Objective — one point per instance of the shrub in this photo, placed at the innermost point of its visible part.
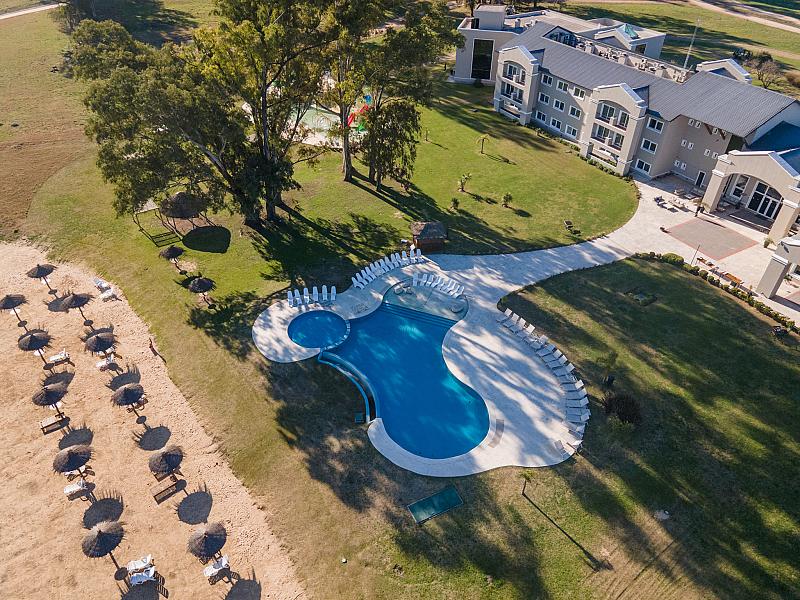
(673, 259)
(454, 204)
(623, 405)
(793, 77)
(477, 83)
(767, 242)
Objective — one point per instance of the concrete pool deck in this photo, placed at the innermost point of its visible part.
(525, 402)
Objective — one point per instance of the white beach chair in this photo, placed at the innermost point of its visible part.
(306, 297)
(431, 280)
(564, 370)
(404, 258)
(537, 343)
(378, 269)
(369, 273)
(108, 294)
(144, 576)
(62, 356)
(140, 564)
(101, 284)
(423, 280)
(315, 294)
(562, 449)
(573, 387)
(578, 415)
(414, 280)
(583, 402)
(557, 363)
(357, 284)
(546, 350)
(577, 395)
(526, 331)
(458, 291)
(397, 260)
(76, 489)
(333, 294)
(505, 316)
(576, 429)
(216, 567)
(418, 255)
(518, 326)
(512, 321)
(325, 293)
(385, 265)
(297, 301)
(104, 364)
(290, 299)
(434, 281)
(361, 279)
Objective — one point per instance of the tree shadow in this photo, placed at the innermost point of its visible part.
(195, 507)
(245, 589)
(148, 20)
(212, 238)
(230, 322)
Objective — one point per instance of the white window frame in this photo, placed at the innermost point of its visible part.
(715, 131)
(570, 131)
(683, 166)
(556, 102)
(575, 112)
(652, 146)
(623, 116)
(683, 143)
(540, 116)
(714, 154)
(562, 86)
(547, 79)
(706, 152)
(697, 124)
(658, 127)
(690, 145)
(579, 93)
(642, 162)
(544, 98)
(553, 122)
(677, 163)
(691, 122)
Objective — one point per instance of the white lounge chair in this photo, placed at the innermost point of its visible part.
(414, 280)
(76, 489)
(404, 258)
(418, 255)
(505, 316)
(385, 265)
(423, 280)
(554, 356)
(356, 283)
(573, 387)
(578, 403)
(564, 370)
(216, 567)
(101, 284)
(144, 576)
(106, 362)
(578, 414)
(333, 294)
(141, 564)
(576, 395)
(458, 291)
(546, 350)
(397, 260)
(451, 285)
(537, 342)
(325, 293)
(361, 279)
(562, 449)
(576, 428)
(297, 301)
(315, 294)
(518, 326)
(306, 297)
(512, 321)
(377, 268)
(290, 299)
(108, 295)
(431, 280)
(558, 363)
(62, 356)
(526, 331)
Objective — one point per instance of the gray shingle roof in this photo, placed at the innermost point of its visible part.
(716, 100)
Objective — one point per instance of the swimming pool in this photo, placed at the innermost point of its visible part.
(424, 408)
(318, 329)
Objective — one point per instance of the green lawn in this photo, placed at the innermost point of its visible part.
(789, 8)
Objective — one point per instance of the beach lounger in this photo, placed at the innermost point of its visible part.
(315, 294)
(414, 280)
(537, 342)
(562, 449)
(431, 280)
(105, 363)
(62, 356)
(526, 331)
(141, 564)
(423, 279)
(546, 350)
(386, 264)
(306, 297)
(333, 294)
(290, 299)
(108, 295)
(297, 301)
(573, 387)
(576, 395)
(578, 415)
(558, 363)
(397, 260)
(73, 490)
(369, 276)
(216, 567)
(356, 283)
(505, 316)
(79, 472)
(325, 293)
(458, 291)
(51, 424)
(404, 258)
(583, 402)
(451, 287)
(554, 357)
(377, 269)
(564, 370)
(512, 321)
(576, 429)
(518, 326)
(574, 441)
(143, 576)
(165, 489)
(418, 255)
(101, 284)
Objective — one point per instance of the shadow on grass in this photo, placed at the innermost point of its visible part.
(148, 20)
(212, 238)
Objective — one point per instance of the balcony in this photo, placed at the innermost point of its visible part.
(516, 78)
(611, 142)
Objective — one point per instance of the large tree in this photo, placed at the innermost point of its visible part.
(399, 123)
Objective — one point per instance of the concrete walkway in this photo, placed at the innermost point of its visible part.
(28, 11)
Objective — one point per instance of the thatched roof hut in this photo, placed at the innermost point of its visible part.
(429, 235)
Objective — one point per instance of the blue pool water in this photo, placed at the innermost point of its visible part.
(318, 329)
(424, 408)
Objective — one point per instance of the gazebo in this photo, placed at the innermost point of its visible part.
(429, 235)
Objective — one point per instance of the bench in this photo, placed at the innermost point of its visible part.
(162, 476)
(54, 423)
(733, 279)
(162, 491)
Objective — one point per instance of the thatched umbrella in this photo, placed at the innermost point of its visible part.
(50, 395)
(40, 271)
(72, 458)
(129, 395)
(201, 285)
(171, 252)
(166, 461)
(207, 540)
(102, 539)
(74, 301)
(183, 205)
(100, 342)
(11, 302)
(35, 339)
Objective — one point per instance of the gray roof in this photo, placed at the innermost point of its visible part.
(719, 101)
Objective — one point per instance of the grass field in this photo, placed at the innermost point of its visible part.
(7, 6)
(789, 8)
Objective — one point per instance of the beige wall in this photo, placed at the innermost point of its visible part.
(463, 70)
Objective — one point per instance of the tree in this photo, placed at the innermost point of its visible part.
(462, 182)
(399, 121)
(507, 198)
(482, 140)
(72, 12)
(766, 69)
(560, 4)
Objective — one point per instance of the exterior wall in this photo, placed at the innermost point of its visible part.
(622, 98)
(520, 110)
(790, 114)
(703, 138)
(786, 256)
(463, 70)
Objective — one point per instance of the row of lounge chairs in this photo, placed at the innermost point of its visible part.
(381, 266)
(448, 286)
(577, 412)
(296, 300)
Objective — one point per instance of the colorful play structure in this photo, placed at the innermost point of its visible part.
(357, 116)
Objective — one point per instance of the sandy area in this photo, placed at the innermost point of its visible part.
(41, 530)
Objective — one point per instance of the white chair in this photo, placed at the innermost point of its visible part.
(144, 576)
(108, 295)
(404, 258)
(431, 280)
(537, 343)
(62, 356)
(140, 564)
(315, 294)
(377, 268)
(384, 264)
(576, 428)
(104, 364)
(369, 274)
(306, 297)
(418, 255)
(583, 402)
(324, 293)
(361, 279)
(512, 321)
(578, 415)
(505, 316)
(216, 567)
(576, 395)
(333, 294)
(552, 359)
(297, 301)
(356, 284)
(564, 370)
(518, 326)
(526, 331)
(560, 447)
(573, 387)
(290, 299)
(545, 350)
(76, 489)
(414, 280)
(458, 291)
(423, 280)
(398, 262)
(101, 284)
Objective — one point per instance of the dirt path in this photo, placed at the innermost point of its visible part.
(27, 11)
(41, 530)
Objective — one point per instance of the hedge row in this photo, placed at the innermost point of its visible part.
(745, 295)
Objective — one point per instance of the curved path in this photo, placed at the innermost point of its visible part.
(28, 11)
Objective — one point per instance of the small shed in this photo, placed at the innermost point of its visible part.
(429, 235)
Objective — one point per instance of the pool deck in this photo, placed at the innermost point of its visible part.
(525, 402)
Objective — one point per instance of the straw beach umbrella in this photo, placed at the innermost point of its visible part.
(72, 458)
(41, 272)
(166, 461)
(11, 302)
(171, 253)
(207, 541)
(103, 539)
(128, 395)
(100, 342)
(35, 339)
(50, 395)
(75, 301)
(201, 285)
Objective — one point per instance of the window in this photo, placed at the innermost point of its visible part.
(544, 98)
(683, 143)
(482, 51)
(575, 112)
(623, 119)
(677, 163)
(558, 105)
(655, 125)
(540, 116)
(697, 124)
(714, 154)
(691, 122)
(765, 201)
(706, 152)
(690, 145)
(602, 133)
(649, 146)
(683, 166)
(579, 93)
(571, 131)
(741, 184)
(562, 86)
(715, 131)
(616, 140)
(547, 79)
(643, 166)
(555, 123)
(606, 112)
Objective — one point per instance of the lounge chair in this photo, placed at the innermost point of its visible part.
(61, 357)
(79, 472)
(558, 363)
(537, 342)
(377, 269)
(562, 449)
(297, 301)
(106, 362)
(554, 356)
(418, 255)
(423, 280)
(101, 284)
(368, 274)
(458, 291)
(386, 265)
(577, 395)
(451, 287)
(333, 294)
(290, 299)
(165, 489)
(357, 282)
(397, 260)
(526, 331)
(576, 429)
(315, 294)
(546, 350)
(564, 370)
(505, 316)
(578, 415)
(325, 297)
(144, 576)
(53, 423)
(73, 490)
(141, 564)
(573, 387)
(108, 295)
(512, 321)
(431, 280)
(306, 297)
(518, 326)
(404, 258)
(414, 280)
(216, 567)
(578, 403)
